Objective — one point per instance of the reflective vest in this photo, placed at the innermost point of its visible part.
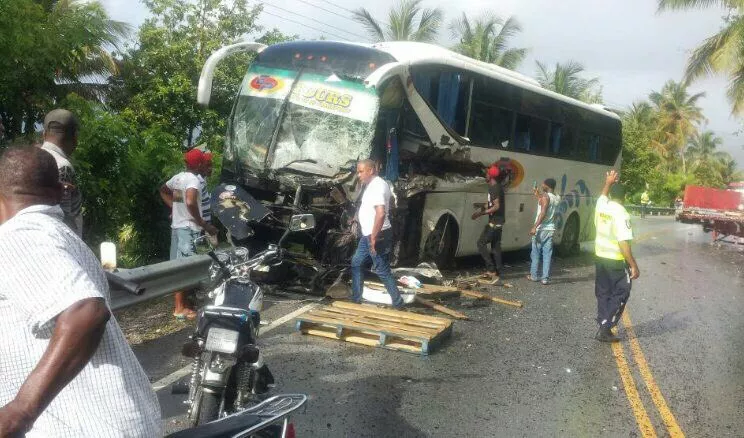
(612, 222)
(644, 198)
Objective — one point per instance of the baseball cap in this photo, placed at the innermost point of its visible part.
(493, 172)
(61, 121)
(194, 158)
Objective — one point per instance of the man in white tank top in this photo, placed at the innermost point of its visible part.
(542, 231)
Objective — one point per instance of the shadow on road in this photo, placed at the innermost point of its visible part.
(670, 322)
(342, 404)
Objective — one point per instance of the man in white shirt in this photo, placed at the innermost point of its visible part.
(67, 370)
(182, 194)
(376, 242)
(60, 139)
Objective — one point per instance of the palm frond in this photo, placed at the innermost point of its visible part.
(512, 58)
(373, 28)
(429, 24)
(672, 5)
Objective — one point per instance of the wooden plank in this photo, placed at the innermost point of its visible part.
(337, 312)
(366, 339)
(440, 308)
(350, 324)
(474, 294)
(399, 313)
(344, 319)
(348, 321)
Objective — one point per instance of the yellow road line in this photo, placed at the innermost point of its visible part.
(666, 414)
(644, 423)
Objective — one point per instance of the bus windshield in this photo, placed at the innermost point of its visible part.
(326, 120)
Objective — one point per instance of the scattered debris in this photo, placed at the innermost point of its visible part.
(441, 308)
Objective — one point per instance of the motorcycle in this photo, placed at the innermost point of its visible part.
(268, 419)
(228, 372)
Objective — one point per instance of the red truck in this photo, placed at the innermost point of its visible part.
(718, 210)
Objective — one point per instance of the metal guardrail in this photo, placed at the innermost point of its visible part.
(651, 210)
(161, 279)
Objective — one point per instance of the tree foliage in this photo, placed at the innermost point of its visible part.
(567, 79)
(486, 39)
(677, 118)
(664, 148)
(720, 53)
(407, 21)
(159, 75)
(48, 49)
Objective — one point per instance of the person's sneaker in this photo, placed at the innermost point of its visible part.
(545, 281)
(604, 334)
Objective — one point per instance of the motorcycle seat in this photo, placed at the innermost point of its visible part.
(244, 423)
(228, 427)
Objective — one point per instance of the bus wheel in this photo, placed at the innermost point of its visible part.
(441, 243)
(570, 240)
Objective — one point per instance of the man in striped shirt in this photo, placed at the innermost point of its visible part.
(204, 172)
(67, 370)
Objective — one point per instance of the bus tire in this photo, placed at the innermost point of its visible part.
(570, 238)
(441, 243)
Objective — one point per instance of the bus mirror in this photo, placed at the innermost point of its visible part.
(204, 92)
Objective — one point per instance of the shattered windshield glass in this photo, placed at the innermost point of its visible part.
(328, 121)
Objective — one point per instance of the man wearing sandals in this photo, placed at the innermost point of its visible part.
(495, 210)
(182, 194)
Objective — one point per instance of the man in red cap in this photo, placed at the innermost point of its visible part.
(495, 209)
(182, 194)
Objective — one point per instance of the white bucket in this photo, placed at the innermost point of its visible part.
(108, 256)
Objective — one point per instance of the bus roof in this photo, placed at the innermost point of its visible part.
(415, 53)
(422, 53)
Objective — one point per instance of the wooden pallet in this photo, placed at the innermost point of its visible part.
(370, 325)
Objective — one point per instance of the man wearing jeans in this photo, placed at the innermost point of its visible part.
(495, 210)
(376, 242)
(182, 194)
(542, 231)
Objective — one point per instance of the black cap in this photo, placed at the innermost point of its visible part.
(550, 182)
(617, 192)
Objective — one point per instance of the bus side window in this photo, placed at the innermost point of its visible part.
(594, 148)
(530, 134)
(491, 126)
(556, 137)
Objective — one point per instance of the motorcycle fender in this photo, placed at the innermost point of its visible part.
(213, 378)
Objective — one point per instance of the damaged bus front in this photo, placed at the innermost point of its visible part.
(302, 120)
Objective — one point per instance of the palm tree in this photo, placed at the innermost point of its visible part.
(720, 53)
(401, 25)
(729, 169)
(641, 113)
(678, 115)
(486, 39)
(565, 79)
(701, 150)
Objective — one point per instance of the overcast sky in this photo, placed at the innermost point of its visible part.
(631, 48)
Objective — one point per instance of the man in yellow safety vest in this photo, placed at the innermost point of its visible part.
(615, 265)
(644, 203)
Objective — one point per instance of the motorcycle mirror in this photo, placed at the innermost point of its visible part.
(203, 244)
(302, 222)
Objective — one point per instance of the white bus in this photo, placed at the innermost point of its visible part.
(433, 119)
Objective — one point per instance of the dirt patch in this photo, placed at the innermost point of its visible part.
(150, 320)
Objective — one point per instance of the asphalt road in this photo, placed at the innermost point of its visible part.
(535, 371)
